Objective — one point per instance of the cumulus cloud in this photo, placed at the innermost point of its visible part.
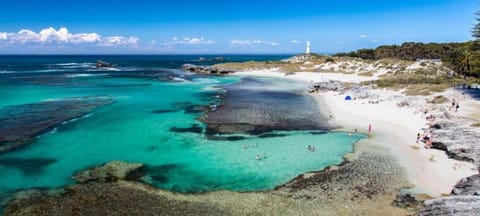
(190, 41)
(363, 36)
(63, 36)
(118, 41)
(294, 41)
(237, 43)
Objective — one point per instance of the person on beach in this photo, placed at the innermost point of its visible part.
(356, 130)
(418, 137)
(369, 129)
(456, 107)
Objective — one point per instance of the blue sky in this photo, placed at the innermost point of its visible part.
(212, 26)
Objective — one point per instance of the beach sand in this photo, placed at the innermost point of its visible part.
(394, 128)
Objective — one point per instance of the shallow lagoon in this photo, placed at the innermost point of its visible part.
(178, 160)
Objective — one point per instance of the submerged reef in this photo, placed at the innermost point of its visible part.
(256, 106)
(20, 124)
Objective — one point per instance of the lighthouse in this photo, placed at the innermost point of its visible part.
(307, 50)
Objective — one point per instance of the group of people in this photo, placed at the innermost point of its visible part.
(311, 148)
(455, 105)
(426, 138)
(261, 157)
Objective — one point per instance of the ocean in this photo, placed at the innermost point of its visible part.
(61, 114)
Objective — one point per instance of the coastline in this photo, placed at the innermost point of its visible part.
(393, 128)
(366, 183)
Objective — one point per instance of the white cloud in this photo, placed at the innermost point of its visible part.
(118, 41)
(273, 43)
(237, 43)
(190, 41)
(375, 41)
(3, 36)
(295, 41)
(63, 36)
(363, 36)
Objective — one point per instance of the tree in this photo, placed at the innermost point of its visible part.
(476, 27)
(464, 63)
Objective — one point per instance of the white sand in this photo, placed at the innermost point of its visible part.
(394, 128)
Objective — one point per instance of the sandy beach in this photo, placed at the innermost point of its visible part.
(394, 128)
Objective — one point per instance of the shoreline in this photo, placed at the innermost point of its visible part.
(393, 128)
(365, 183)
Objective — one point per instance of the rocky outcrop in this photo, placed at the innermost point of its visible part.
(464, 200)
(112, 171)
(101, 64)
(22, 123)
(205, 69)
(370, 175)
(454, 205)
(103, 191)
(362, 188)
(460, 142)
(468, 186)
(407, 201)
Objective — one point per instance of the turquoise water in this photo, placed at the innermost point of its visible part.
(127, 130)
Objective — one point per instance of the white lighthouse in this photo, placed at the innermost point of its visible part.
(307, 50)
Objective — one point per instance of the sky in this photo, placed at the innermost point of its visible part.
(227, 27)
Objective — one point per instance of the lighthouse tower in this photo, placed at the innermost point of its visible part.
(307, 50)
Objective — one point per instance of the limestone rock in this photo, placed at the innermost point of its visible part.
(205, 69)
(459, 141)
(468, 186)
(111, 171)
(454, 205)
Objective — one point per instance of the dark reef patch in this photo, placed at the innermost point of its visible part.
(195, 128)
(256, 106)
(318, 132)
(20, 124)
(159, 173)
(272, 135)
(29, 167)
(226, 138)
(161, 111)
